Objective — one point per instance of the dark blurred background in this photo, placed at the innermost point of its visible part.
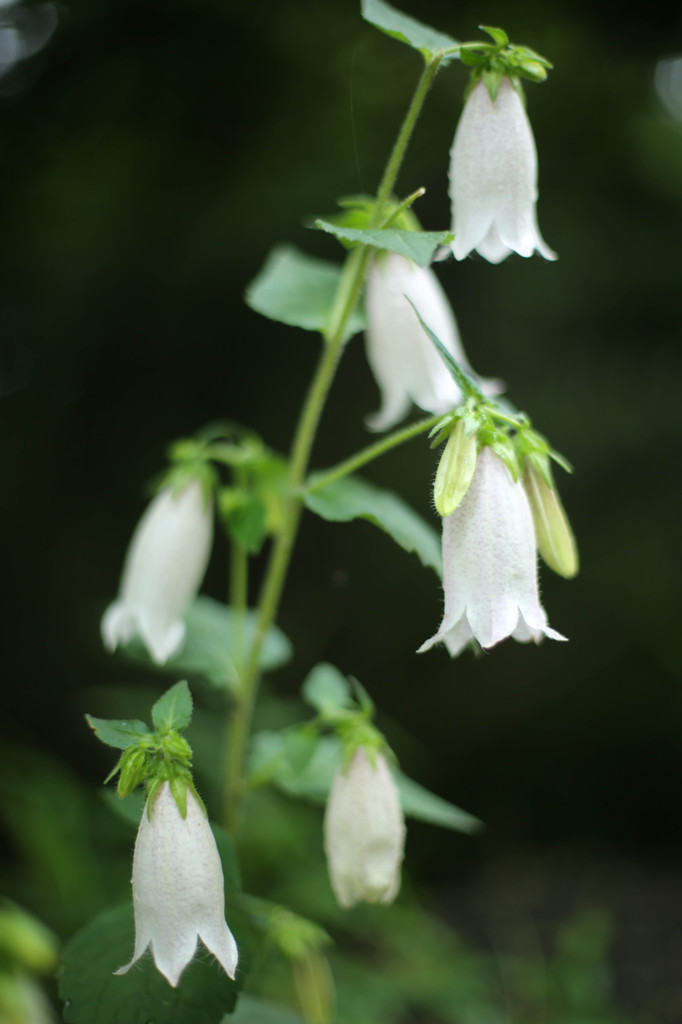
(151, 153)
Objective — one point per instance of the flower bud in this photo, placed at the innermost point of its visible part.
(553, 534)
(364, 832)
(455, 470)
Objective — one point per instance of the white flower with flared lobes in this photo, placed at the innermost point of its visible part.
(493, 178)
(164, 567)
(364, 832)
(490, 564)
(178, 889)
(404, 362)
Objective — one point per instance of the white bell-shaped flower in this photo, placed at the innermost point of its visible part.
(490, 564)
(178, 889)
(493, 178)
(364, 832)
(164, 567)
(404, 362)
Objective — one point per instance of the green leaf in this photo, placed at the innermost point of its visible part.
(271, 761)
(92, 993)
(314, 781)
(418, 246)
(174, 709)
(408, 30)
(298, 290)
(354, 498)
(117, 733)
(256, 1011)
(418, 802)
(326, 689)
(213, 643)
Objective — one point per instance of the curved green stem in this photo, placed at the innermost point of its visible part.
(368, 454)
(350, 287)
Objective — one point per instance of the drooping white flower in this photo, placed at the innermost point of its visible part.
(364, 832)
(493, 178)
(163, 570)
(404, 362)
(490, 564)
(178, 889)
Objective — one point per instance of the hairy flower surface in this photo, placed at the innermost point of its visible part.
(493, 178)
(364, 832)
(490, 564)
(163, 570)
(404, 362)
(178, 890)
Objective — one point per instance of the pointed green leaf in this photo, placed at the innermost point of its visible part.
(418, 246)
(298, 290)
(119, 733)
(418, 802)
(214, 644)
(354, 498)
(93, 993)
(407, 30)
(326, 689)
(174, 709)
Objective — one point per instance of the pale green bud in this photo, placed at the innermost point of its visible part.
(455, 470)
(553, 534)
(315, 988)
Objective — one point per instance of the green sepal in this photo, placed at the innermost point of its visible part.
(418, 246)
(173, 711)
(119, 733)
(498, 35)
(491, 62)
(466, 384)
(402, 27)
(133, 765)
(178, 788)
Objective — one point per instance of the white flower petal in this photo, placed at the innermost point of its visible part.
(490, 564)
(163, 570)
(178, 889)
(405, 363)
(493, 178)
(364, 832)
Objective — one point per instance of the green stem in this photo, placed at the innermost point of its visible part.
(350, 287)
(368, 454)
